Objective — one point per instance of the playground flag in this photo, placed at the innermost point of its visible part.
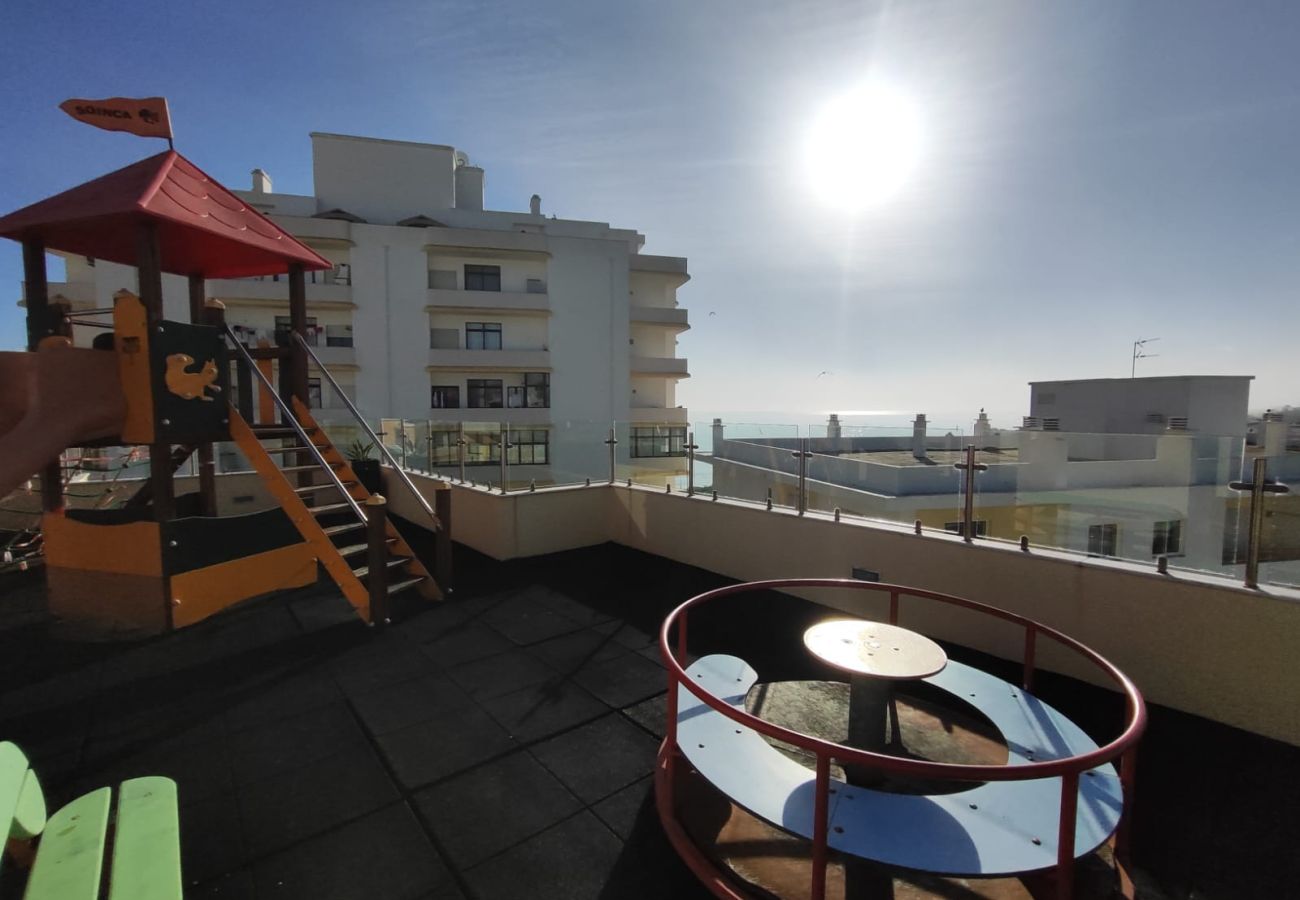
(146, 117)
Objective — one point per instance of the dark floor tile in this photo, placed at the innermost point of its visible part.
(539, 712)
(235, 886)
(468, 641)
(395, 706)
(621, 810)
(622, 681)
(651, 652)
(599, 758)
(434, 621)
(274, 694)
(627, 635)
(501, 674)
(524, 620)
(652, 714)
(292, 742)
(454, 740)
(197, 760)
(567, 606)
(50, 732)
(386, 660)
(212, 840)
(485, 810)
(59, 693)
(571, 861)
(321, 612)
(570, 652)
(385, 855)
(280, 811)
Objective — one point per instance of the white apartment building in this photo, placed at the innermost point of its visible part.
(438, 309)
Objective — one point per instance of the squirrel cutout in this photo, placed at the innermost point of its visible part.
(191, 385)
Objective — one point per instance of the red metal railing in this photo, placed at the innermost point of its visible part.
(1122, 748)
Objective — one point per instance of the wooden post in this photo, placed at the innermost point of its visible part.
(149, 267)
(377, 539)
(207, 465)
(442, 539)
(40, 327)
(298, 325)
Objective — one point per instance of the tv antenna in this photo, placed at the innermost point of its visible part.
(1139, 352)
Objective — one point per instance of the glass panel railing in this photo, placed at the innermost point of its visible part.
(880, 477)
(1279, 524)
(746, 461)
(1134, 497)
(654, 455)
(576, 452)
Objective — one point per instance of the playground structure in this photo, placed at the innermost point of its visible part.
(1056, 800)
(160, 561)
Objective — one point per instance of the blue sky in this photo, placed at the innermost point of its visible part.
(1092, 173)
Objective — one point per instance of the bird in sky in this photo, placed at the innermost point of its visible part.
(713, 314)
(823, 372)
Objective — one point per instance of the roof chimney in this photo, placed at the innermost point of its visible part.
(261, 182)
(535, 205)
(833, 426)
(918, 436)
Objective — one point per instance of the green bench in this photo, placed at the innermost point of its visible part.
(69, 857)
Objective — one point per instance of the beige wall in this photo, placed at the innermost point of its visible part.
(1196, 643)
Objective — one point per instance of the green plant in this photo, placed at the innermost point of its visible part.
(359, 449)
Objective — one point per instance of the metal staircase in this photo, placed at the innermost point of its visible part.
(346, 526)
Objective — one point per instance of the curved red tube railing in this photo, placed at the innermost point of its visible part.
(1069, 768)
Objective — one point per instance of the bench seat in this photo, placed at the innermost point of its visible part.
(146, 860)
(996, 828)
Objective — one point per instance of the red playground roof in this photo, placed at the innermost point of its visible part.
(203, 229)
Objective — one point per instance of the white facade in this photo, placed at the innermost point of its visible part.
(1206, 404)
(517, 318)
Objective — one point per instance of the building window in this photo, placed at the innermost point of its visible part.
(313, 393)
(529, 447)
(515, 397)
(283, 326)
(1103, 539)
(483, 393)
(444, 338)
(444, 396)
(442, 279)
(1167, 538)
(981, 527)
(482, 278)
(658, 440)
(482, 335)
(338, 335)
(537, 387)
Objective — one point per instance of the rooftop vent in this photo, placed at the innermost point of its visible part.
(341, 215)
(1155, 418)
(1051, 424)
(1270, 416)
(421, 221)
(1177, 423)
(1031, 423)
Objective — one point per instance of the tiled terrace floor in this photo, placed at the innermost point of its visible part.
(499, 745)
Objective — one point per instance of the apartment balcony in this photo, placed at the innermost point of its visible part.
(248, 291)
(659, 415)
(665, 366)
(491, 360)
(81, 294)
(486, 243)
(674, 317)
(660, 265)
(506, 302)
(336, 356)
(515, 417)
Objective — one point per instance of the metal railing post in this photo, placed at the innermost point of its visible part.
(821, 796)
(691, 447)
(970, 467)
(612, 441)
(377, 558)
(460, 451)
(1065, 836)
(401, 436)
(1259, 485)
(802, 454)
(504, 442)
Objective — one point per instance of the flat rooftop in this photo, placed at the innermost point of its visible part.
(500, 744)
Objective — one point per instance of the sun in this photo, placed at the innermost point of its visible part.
(863, 147)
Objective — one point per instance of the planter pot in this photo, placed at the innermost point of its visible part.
(367, 472)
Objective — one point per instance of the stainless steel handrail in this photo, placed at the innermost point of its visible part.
(293, 420)
(401, 473)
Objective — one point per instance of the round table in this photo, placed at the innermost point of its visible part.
(875, 655)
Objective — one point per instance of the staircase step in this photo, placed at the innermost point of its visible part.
(403, 585)
(343, 529)
(321, 487)
(294, 448)
(315, 468)
(327, 509)
(391, 564)
(354, 549)
(265, 432)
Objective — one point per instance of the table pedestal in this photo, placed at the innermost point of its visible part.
(871, 700)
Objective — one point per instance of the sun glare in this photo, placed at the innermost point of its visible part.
(862, 147)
